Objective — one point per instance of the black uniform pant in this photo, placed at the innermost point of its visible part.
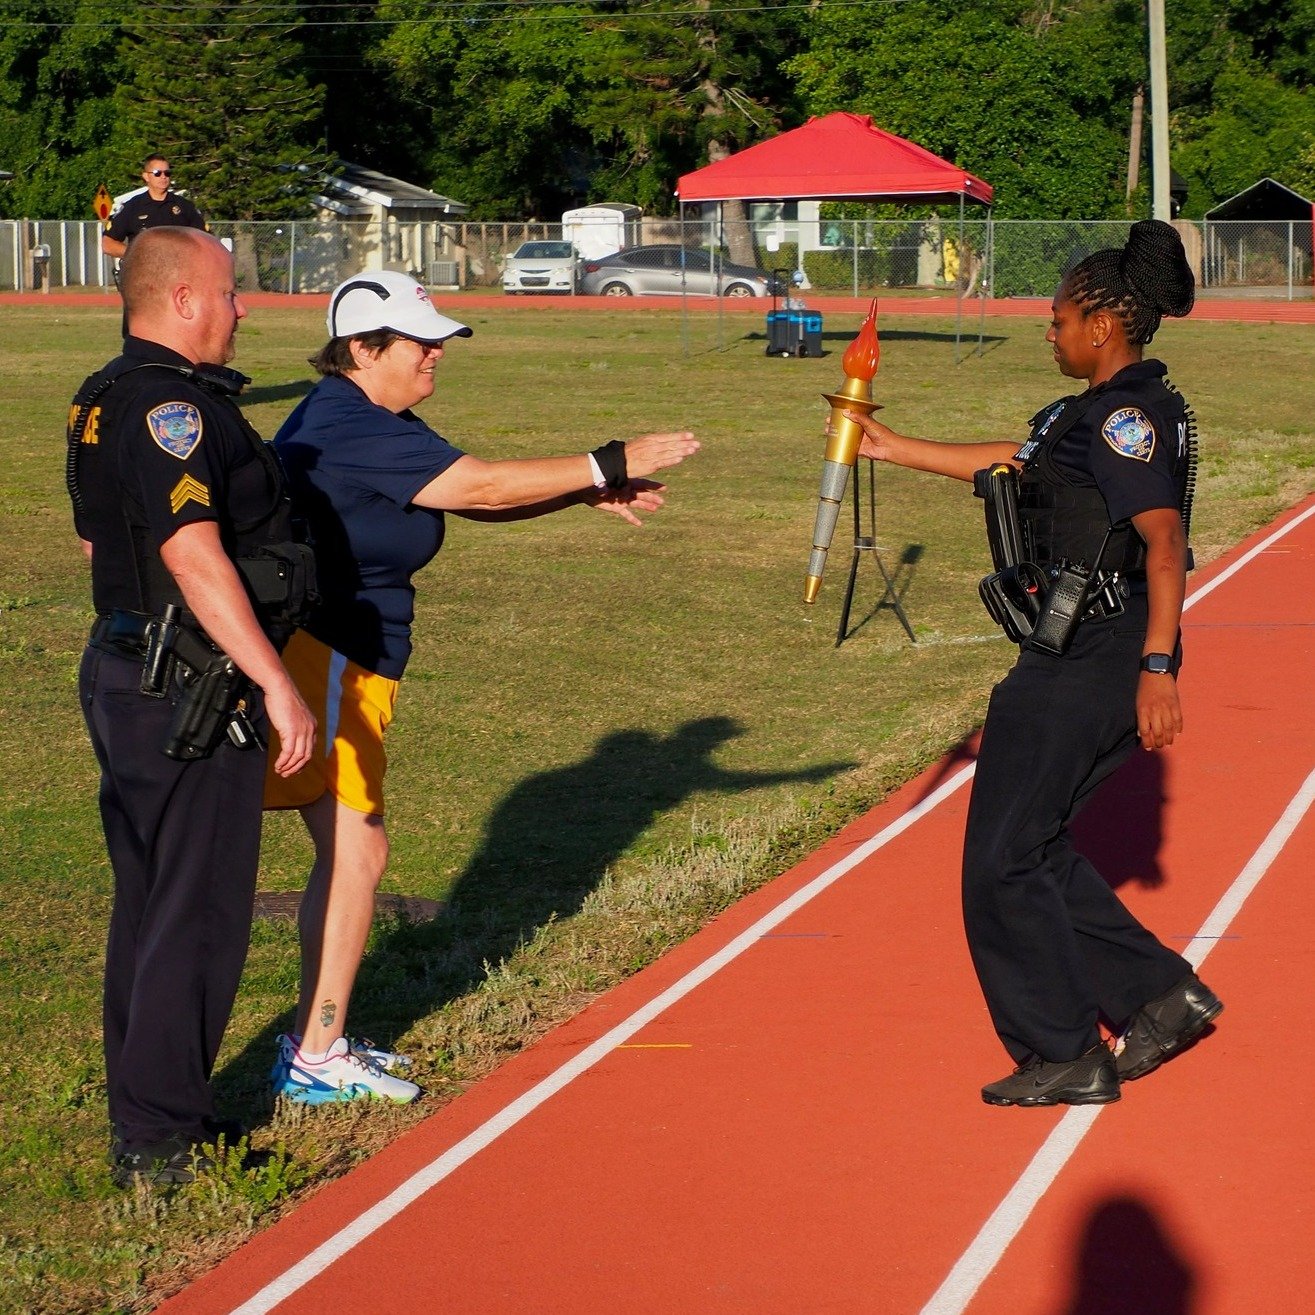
(183, 840)
(1052, 944)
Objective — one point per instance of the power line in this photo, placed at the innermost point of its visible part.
(452, 11)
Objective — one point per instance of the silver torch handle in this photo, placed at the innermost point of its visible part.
(835, 479)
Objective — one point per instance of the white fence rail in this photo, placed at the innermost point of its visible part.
(1002, 257)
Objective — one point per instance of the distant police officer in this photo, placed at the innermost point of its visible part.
(182, 511)
(156, 207)
(1094, 597)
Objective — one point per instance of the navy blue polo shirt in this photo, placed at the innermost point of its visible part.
(354, 468)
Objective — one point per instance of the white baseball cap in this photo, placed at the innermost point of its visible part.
(384, 299)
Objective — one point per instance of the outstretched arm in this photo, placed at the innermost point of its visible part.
(637, 495)
(957, 460)
(472, 485)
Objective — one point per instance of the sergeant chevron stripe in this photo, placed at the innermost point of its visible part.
(187, 490)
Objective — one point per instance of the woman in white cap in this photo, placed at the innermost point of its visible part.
(374, 482)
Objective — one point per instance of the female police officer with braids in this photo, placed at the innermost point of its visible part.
(1103, 501)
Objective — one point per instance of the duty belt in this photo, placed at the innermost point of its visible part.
(121, 632)
(1111, 599)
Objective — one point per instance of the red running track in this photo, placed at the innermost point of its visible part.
(1230, 309)
(781, 1116)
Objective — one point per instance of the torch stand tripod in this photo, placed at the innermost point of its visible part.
(867, 543)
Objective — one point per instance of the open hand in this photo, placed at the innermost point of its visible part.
(637, 495)
(652, 452)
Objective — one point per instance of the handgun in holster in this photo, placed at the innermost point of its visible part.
(1013, 593)
(213, 691)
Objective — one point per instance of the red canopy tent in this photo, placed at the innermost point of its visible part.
(839, 156)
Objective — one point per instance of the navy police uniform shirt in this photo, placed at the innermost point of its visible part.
(158, 452)
(1130, 442)
(141, 212)
(354, 468)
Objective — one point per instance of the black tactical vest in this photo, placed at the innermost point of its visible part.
(1064, 521)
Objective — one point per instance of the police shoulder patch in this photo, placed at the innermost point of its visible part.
(176, 428)
(1130, 433)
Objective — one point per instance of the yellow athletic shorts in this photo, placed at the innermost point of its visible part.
(352, 710)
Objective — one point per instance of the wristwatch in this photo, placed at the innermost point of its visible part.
(1158, 664)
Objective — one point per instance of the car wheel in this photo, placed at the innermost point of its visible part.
(739, 290)
(616, 290)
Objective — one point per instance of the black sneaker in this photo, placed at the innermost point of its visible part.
(1164, 1027)
(231, 1130)
(162, 1164)
(1088, 1080)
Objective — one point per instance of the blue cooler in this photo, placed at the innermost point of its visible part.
(780, 335)
(794, 332)
(811, 343)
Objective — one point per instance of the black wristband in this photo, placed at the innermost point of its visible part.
(611, 458)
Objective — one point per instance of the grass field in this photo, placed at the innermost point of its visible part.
(605, 736)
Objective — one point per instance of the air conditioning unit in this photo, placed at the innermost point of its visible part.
(442, 273)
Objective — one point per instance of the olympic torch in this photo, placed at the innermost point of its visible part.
(843, 438)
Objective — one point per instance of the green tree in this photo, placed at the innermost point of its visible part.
(533, 107)
(58, 69)
(217, 86)
(497, 96)
(690, 93)
(1034, 98)
(1240, 87)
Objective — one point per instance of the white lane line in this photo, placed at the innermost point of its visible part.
(1008, 1218)
(1206, 589)
(295, 1278)
(433, 1173)
(984, 1253)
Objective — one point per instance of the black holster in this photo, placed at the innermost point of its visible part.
(212, 692)
(1013, 598)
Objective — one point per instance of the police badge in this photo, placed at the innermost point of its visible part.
(176, 428)
(1130, 433)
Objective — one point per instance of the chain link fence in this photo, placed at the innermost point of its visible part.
(999, 258)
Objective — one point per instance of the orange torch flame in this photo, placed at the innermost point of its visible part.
(861, 356)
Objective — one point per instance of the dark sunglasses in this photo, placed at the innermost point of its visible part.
(425, 344)
(160, 173)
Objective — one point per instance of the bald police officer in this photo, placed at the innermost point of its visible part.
(181, 509)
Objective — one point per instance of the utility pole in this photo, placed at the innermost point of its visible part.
(1134, 139)
(1160, 208)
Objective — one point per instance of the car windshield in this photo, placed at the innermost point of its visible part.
(545, 251)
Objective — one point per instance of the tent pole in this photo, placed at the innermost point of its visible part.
(959, 284)
(717, 264)
(684, 305)
(988, 260)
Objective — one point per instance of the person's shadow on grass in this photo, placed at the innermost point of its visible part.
(547, 845)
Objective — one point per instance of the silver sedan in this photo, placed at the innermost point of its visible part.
(672, 271)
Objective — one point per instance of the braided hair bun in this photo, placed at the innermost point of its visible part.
(1155, 264)
(1148, 279)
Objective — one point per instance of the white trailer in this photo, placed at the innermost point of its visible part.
(600, 230)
